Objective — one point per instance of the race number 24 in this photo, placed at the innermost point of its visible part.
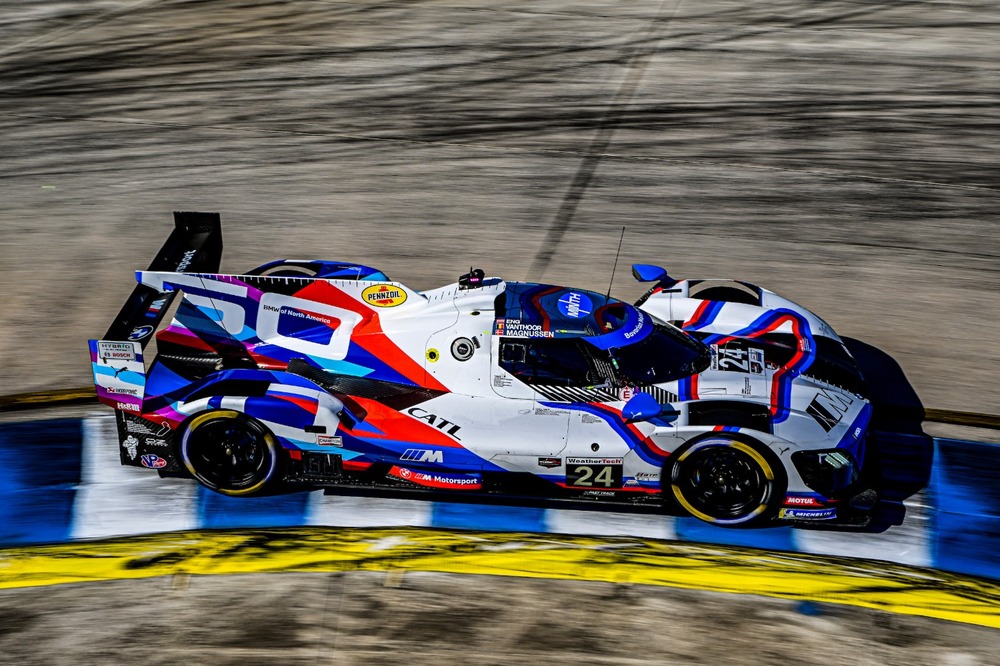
(594, 472)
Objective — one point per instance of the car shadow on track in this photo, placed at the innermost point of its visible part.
(900, 454)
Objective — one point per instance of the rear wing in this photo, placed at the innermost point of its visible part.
(195, 245)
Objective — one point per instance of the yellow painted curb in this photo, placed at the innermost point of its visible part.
(879, 585)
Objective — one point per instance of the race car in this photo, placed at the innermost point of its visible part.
(716, 398)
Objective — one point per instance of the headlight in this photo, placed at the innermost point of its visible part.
(826, 471)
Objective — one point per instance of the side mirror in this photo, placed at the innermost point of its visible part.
(648, 272)
(641, 407)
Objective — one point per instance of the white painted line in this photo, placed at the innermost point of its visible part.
(602, 523)
(113, 500)
(331, 510)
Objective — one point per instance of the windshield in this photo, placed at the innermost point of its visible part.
(665, 355)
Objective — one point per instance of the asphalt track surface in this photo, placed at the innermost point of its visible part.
(841, 153)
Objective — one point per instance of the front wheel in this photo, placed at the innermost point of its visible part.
(727, 481)
(229, 452)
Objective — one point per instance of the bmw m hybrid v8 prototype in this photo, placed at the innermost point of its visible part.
(718, 397)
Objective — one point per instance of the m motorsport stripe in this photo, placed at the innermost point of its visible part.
(687, 388)
(704, 315)
(636, 441)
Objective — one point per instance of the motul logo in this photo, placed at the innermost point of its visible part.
(802, 501)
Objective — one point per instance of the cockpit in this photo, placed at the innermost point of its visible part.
(570, 337)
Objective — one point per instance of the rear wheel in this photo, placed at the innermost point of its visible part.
(229, 452)
(728, 481)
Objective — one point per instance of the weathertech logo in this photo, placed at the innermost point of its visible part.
(383, 296)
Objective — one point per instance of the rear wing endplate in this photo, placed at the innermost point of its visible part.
(194, 246)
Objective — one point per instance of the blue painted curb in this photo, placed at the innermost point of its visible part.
(41, 479)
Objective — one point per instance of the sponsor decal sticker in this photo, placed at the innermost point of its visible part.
(186, 260)
(153, 461)
(807, 514)
(131, 445)
(593, 461)
(575, 305)
(638, 327)
(433, 355)
(737, 357)
(437, 480)
(550, 462)
(438, 422)
(127, 406)
(329, 440)
(140, 333)
(594, 472)
(516, 328)
(384, 295)
(598, 493)
(423, 455)
(286, 311)
(118, 351)
(799, 500)
(156, 305)
(143, 428)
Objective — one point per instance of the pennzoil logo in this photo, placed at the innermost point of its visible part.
(383, 295)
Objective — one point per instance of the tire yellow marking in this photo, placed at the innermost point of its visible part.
(736, 444)
(870, 584)
(224, 414)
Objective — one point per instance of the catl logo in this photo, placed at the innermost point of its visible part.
(383, 296)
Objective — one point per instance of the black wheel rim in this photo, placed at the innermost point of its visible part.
(229, 454)
(723, 482)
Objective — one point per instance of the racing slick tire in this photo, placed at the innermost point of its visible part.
(229, 452)
(728, 480)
